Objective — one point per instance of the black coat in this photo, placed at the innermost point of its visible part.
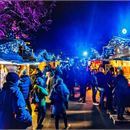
(101, 80)
(121, 91)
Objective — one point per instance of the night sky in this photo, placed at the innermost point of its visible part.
(78, 26)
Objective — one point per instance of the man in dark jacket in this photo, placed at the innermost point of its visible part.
(120, 93)
(69, 79)
(84, 81)
(13, 113)
(109, 87)
(94, 85)
(59, 96)
(26, 87)
(101, 80)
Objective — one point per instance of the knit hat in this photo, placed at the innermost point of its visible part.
(24, 72)
(59, 80)
(12, 77)
(40, 81)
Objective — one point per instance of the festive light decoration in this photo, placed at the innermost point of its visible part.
(24, 17)
(94, 54)
(15, 50)
(13, 46)
(44, 56)
(116, 46)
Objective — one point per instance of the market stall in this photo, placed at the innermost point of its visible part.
(118, 53)
(122, 64)
(5, 67)
(95, 64)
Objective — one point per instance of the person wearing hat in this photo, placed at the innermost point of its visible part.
(13, 113)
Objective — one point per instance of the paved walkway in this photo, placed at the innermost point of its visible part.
(81, 116)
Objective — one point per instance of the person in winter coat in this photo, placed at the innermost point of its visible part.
(72, 81)
(94, 85)
(26, 87)
(120, 93)
(41, 92)
(58, 71)
(59, 97)
(39, 73)
(13, 113)
(84, 81)
(69, 79)
(110, 79)
(51, 80)
(101, 80)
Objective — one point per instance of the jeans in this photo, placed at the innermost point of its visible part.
(83, 92)
(120, 110)
(94, 92)
(102, 95)
(109, 100)
(41, 114)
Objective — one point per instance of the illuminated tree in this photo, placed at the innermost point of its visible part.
(23, 18)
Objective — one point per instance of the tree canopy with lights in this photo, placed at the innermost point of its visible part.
(23, 18)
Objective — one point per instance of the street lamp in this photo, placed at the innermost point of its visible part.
(85, 53)
(124, 31)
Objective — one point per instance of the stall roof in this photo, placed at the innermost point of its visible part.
(5, 62)
(28, 63)
(17, 62)
(124, 58)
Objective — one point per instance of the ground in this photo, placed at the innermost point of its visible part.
(81, 116)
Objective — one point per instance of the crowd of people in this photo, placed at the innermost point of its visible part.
(58, 84)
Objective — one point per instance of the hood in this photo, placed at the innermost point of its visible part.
(11, 85)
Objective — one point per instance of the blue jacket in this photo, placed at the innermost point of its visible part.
(25, 86)
(41, 92)
(13, 114)
(59, 96)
